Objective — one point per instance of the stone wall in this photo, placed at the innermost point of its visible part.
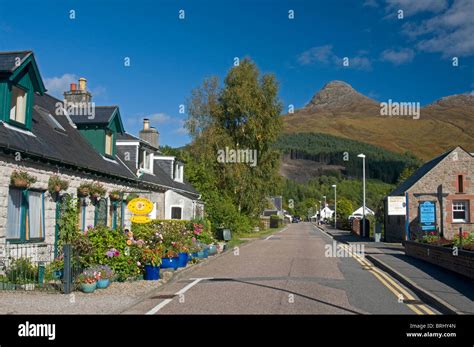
(42, 173)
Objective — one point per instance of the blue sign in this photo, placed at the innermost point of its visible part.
(428, 215)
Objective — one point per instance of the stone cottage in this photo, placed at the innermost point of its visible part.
(444, 186)
(76, 141)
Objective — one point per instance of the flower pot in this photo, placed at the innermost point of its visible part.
(152, 273)
(206, 252)
(57, 274)
(83, 192)
(88, 287)
(183, 259)
(20, 183)
(212, 249)
(103, 283)
(57, 189)
(114, 197)
(203, 253)
(169, 263)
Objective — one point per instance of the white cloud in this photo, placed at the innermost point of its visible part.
(412, 7)
(58, 85)
(159, 118)
(449, 32)
(398, 57)
(181, 130)
(325, 55)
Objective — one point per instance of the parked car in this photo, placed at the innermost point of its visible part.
(296, 219)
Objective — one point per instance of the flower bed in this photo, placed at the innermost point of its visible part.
(445, 257)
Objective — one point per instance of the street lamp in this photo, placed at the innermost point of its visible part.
(363, 192)
(335, 206)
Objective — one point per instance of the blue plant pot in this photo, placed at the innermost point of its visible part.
(183, 259)
(58, 274)
(212, 249)
(169, 263)
(152, 273)
(201, 254)
(206, 252)
(193, 255)
(103, 283)
(88, 287)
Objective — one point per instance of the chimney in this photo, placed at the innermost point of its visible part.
(77, 96)
(82, 84)
(149, 134)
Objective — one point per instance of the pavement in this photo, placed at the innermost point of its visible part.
(294, 271)
(447, 291)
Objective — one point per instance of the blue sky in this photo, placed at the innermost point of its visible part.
(407, 59)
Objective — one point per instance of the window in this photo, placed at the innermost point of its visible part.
(145, 161)
(18, 105)
(113, 215)
(175, 212)
(460, 211)
(460, 184)
(25, 216)
(178, 172)
(100, 217)
(109, 143)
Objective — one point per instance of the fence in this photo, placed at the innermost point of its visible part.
(34, 267)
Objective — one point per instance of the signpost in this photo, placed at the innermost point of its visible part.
(427, 213)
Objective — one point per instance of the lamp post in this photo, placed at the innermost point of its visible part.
(363, 192)
(319, 217)
(335, 206)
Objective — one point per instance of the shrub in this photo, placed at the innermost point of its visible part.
(466, 239)
(22, 271)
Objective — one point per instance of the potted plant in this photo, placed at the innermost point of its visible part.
(84, 189)
(130, 197)
(183, 253)
(105, 274)
(56, 184)
(152, 259)
(21, 179)
(97, 191)
(170, 259)
(87, 280)
(115, 195)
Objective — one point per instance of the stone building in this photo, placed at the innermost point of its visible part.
(445, 185)
(76, 141)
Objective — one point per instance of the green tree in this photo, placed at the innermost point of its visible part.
(243, 114)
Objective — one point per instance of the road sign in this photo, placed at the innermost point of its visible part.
(427, 213)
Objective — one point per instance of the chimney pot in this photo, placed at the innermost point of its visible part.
(82, 84)
(146, 124)
(73, 86)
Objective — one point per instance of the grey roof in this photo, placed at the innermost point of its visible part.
(8, 60)
(103, 115)
(66, 147)
(129, 137)
(418, 174)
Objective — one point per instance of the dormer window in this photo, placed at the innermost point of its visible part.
(146, 161)
(18, 105)
(109, 143)
(178, 172)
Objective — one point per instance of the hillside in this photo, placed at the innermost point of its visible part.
(308, 155)
(338, 109)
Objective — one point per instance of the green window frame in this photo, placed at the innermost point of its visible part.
(100, 213)
(19, 202)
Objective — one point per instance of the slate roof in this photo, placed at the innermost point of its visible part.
(8, 60)
(103, 115)
(66, 147)
(418, 174)
(129, 137)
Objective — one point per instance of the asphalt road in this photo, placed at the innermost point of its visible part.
(286, 273)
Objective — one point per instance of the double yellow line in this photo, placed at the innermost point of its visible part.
(388, 282)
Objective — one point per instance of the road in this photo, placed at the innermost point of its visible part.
(288, 272)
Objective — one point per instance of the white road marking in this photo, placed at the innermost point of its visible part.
(282, 230)
(268, 238)
(180, 292)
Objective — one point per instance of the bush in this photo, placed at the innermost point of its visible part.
(22, 271)
(115, 249)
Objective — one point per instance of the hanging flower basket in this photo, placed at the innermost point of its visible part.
(97, 191)
(115, 195)
(84, 190)
(21, 179)
(56, 184)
